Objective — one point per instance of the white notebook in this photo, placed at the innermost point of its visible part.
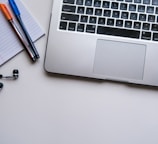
(9, 43)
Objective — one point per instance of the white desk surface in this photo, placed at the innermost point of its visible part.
(42, 109)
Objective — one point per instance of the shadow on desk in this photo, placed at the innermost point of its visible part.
(101, 81)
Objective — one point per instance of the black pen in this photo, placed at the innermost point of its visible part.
(18, 17)
(9, 17)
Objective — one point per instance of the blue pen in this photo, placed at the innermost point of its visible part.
(18, 17)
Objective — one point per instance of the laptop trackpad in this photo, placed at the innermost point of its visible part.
(119, 59)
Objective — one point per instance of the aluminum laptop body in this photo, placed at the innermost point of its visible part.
(104, 39)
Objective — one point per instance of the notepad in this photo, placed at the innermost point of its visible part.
(10, 45)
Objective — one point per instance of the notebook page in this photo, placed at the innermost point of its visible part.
(9, 43)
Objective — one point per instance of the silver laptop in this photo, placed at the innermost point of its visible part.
(105, 39)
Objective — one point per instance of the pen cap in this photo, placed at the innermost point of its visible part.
(14, 7)
(6, 12)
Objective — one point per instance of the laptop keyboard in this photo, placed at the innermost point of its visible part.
(124, 18)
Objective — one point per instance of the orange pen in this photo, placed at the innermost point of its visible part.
(9, 17)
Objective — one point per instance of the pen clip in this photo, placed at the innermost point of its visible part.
(6, 12)
(14, 7)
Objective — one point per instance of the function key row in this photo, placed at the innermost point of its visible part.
(98, 2)
(81, 9)
(152, 2)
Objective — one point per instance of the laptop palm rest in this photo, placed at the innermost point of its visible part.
(119, 59)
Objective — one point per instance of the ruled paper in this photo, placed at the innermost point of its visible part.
(10, 45)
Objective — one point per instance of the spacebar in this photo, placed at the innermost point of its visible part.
(118, 32)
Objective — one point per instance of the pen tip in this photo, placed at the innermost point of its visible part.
(5, 11)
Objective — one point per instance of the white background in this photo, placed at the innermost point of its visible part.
(48, 109)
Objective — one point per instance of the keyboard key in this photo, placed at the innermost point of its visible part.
(84, 19)
(80, 10)
(155, 2)
(80, 27)
(119, 23)
(90, 28)
(137, 25)
(63, 25)
(124, 15)
(141, 8)
(67, 8)
(88, 2)
(107, 13)
(132, 7)
(146, 26)
(142, 17)
(156, 12)
(70, 17)
(128, 24)
(154, 27)
(101, 21)
(93, 20)
(72, 26)
(118, 32)
(137, 1)
(146, 35)
(69, 1)
(151, 18)
(106, 4)
(114, 5)
(98, 12)
(116, 14)
(97, 3)
(150, 9)
(146, 1)
(128, 0)
(89, 11)
(133, 16)
(110, 22)
(155, 36)
(123, 6)
(79, 2)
